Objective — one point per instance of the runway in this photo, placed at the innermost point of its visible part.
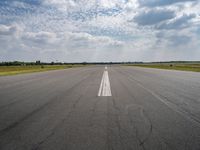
(101, 108)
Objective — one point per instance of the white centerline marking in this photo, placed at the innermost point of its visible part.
(104, 89)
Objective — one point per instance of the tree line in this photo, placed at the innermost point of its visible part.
(22, 63)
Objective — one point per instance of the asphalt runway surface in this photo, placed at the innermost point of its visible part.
(100, 108)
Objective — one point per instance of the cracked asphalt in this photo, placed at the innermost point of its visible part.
(150, 109)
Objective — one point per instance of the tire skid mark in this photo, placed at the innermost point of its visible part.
(165, 101)
(37, 77)
(93, 112)
(141, 141)
(152, 128)
(117, 121)
(23, 95)
(62, 121)
(108, 141)
(126, 110)
(26, 81)
(74, 105)
(11, 126)
(121, 112)
(180, 104)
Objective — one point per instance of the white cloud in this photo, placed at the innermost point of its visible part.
(87, 29)
(40, 38)
(8, 30)
(63, 5)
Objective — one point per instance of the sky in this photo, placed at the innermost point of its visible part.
(99, 30)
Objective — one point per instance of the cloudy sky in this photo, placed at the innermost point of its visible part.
(99, 30)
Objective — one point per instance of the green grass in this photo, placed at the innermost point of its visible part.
(13, 70)
(172, 66)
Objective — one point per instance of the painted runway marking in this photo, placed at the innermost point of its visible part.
(104, 89)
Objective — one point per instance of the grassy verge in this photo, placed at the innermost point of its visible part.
(13, 70)
(171, 66)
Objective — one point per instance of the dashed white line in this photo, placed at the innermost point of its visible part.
(104, 89)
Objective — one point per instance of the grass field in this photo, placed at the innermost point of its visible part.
(172, 66)
(13, 70)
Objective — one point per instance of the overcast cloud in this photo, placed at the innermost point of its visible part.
(99, 30)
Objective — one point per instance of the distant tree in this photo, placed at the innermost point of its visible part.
(84, 63)
(37, 62)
